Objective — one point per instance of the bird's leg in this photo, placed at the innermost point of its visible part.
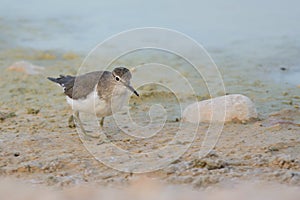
(103, 139)
(101, 122)
(76, 114)
(71, 123)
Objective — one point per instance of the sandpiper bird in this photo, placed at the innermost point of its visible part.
(98, 92)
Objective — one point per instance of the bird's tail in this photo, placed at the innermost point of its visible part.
(61, 80)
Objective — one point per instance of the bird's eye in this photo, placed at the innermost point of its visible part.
(117, 78)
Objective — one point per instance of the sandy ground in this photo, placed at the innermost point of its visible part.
(38, 148)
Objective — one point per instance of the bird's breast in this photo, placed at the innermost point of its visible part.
(102, 106)
(119, 98)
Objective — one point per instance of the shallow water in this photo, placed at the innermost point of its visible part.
(80, 25)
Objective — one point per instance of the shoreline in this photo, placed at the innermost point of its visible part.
(38, 147)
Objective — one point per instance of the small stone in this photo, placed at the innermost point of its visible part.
(227, 108)
(209, 164)
(25, 67)
(272, 148)
(176, 161)
(212, 164)
(33, 111)
(16, 154)
(197, 163)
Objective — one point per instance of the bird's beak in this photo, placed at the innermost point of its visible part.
(131, 89)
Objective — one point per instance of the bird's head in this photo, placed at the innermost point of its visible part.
(122, 76)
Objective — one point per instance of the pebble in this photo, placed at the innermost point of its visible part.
(26, 68)
(16, 154)
(33, 111)
(209, 164)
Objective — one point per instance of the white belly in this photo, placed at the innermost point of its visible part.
(92, 104)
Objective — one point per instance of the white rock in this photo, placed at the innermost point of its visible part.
(237, 107)
(25, 67)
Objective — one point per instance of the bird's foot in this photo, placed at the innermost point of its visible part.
(86, 133)
(91, 136)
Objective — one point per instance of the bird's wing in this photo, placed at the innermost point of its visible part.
(83, 85)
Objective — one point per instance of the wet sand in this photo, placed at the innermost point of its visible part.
(38, 148)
